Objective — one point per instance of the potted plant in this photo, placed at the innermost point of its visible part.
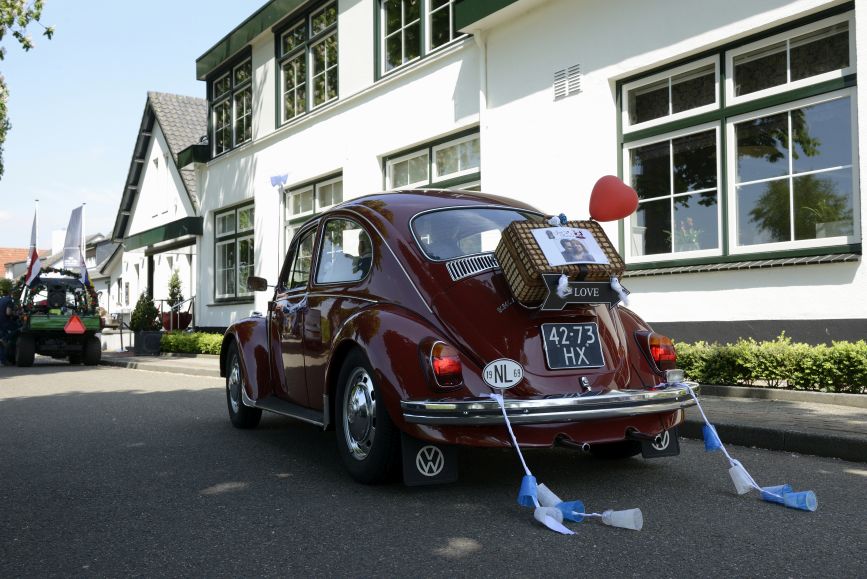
(145, 323)
(173, 319)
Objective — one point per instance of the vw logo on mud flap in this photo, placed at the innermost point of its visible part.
(663, 444)
(430, 461)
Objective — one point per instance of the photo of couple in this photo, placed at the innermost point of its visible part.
(569, 245)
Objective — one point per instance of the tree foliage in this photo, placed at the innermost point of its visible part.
(15, 17)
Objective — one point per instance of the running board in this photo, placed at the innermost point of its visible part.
(285, 408)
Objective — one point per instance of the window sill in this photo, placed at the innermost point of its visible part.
(232, 301)
(744, 264)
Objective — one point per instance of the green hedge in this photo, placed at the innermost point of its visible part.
(191, 343)
(841, 367)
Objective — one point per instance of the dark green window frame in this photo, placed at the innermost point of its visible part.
(230, 104)
(234, 240)
(720, 117)
(429, 38)
(291, 220)
(297, 41)
(429, 151)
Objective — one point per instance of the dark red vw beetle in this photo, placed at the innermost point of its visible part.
(386, 311)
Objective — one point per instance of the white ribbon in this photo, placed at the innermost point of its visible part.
(621, 293)
(563, 287)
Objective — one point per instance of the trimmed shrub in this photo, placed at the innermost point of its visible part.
(191, 342)
(841, 367)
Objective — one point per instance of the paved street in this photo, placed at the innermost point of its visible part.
(115, 472)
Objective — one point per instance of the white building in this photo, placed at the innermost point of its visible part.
(158, 219)
(736, 122)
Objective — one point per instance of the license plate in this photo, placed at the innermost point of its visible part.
(572, 345)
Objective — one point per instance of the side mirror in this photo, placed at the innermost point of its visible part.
(612, 199)
(257, 284)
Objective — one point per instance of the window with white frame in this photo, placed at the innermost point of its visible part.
(234, 250)
(304, 201)
(409, 29)
(452, 163)
(719, 172)
(231, 99)
(307, 61)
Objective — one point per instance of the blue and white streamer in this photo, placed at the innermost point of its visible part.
(744, 482)
(549, 509)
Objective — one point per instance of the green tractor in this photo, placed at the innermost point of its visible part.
(58, 318)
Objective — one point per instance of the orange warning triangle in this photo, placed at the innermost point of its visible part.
(74, 325)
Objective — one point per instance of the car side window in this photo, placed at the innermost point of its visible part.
(345, 254)
(299, 272)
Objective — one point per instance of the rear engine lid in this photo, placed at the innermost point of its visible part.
(555, 349)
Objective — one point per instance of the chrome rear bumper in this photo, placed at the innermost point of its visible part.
(567, 408)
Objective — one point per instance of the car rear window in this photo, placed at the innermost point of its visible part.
(451, 233)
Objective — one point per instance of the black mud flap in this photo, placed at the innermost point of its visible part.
(426, 463)
(670, 446)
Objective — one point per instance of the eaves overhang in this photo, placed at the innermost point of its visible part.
(473, 15)
(179, 230)
(261, 20)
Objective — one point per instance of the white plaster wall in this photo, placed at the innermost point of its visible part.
(551, 153)
(436, 97)
(264, 85)
(161, 197)
(164, 265)
(355, 24)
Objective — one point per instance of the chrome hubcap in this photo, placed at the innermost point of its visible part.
(359, 414)
(233, 385)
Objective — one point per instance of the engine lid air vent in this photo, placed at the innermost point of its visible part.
(471, 265)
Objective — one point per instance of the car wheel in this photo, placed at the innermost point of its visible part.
(25, 351)
(616, 450)
(92, 351)
(367, 440)
(241, 416)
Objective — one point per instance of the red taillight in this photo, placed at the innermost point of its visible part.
(662, 351)
(446, 365)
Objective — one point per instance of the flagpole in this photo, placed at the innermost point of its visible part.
(83, 239)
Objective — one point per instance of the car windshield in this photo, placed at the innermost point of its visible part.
(451, 233)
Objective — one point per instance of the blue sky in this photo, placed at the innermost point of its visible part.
(76, 101)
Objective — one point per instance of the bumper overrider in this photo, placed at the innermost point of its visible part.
(543, 410)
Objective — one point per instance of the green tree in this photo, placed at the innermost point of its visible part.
(15, 17)
(175, 294)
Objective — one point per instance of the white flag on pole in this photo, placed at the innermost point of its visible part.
(72, 246)
(34, 264)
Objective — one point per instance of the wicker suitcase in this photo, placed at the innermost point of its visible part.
(523, 261)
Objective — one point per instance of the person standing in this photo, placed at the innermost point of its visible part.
(8, 325)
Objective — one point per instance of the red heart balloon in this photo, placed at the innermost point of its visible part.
(612, 199)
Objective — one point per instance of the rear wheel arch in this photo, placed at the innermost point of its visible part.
(341, 352)
(228, 340)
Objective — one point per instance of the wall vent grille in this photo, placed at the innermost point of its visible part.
(567, 82)
(467, 266)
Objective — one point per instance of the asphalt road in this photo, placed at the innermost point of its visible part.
(115, 472)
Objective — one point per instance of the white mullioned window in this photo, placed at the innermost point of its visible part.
(308, 62)
(773, 171)
(234, 252)
(409, 29)
(231, 99)
(304, 201)
(450, 163)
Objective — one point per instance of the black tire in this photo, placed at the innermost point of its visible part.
(616, 450)
(75, 359)
(367, 440)
(25, 351)
(92, 351)
(241, 416)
